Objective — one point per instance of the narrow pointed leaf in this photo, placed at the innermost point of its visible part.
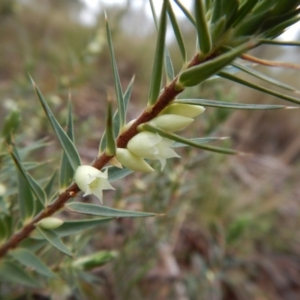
(110, 139)
(264, 77)
(199, 73)
(177, 138)
(186, 12)
(279, 43)
(167, 57)
(103, 211)
(259, 87)
(12, 272)
(117, 82)
(159, 57)
(54, 240)
(49, 185)
(63, 138)
(204, 38)
(66, 172)
(244, 10)
(28, 259)
(73, 227)
(229, 105)
(177, 32)
(6, 226)
(34, 186)
(199, 141)
(115, 173)
(25, 198)
(116, 120)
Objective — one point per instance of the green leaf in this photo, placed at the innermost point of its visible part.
(49, 185)
(204, 38)
(117, 82)
(10, 125)
(73, 227)
(199, 73)
(167, 57)
(177, 32)
(94, 260)
(54, 240)
(199, 141)
(110, 139)
(6, 226)
(116, 120)
(258, 87)
(28, 259)
(159, 57)
(11, 272)
(66, 172)
(103, 211)
(115, 173)
(26, 201)
(279, 43)
(229, 105)
(244, 10)
(186, 12)
(63, 138)
(188, 142)
(264, 77)
(34, 186)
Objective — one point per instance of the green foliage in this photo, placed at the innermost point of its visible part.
(37, 254)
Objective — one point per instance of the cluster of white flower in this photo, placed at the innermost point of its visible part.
(144, 145)
(148, 145)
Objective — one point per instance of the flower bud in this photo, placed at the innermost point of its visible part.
(92, 181)
(50, 223)
(171, 122)
(182, 109)
(152, 146)
(94, 260)
(132, 161)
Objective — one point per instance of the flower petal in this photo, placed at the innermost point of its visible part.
(185, 110)
(171, 122)
(132, 161)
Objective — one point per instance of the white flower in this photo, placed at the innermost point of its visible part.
(182, 109)
(170, 122)
(132, 161)
(92, 181)
(152, 146)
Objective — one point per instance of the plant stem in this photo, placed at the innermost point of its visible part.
(168, 94)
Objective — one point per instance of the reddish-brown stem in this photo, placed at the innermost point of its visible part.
(168, 94)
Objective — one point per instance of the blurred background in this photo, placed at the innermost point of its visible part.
(230, 224)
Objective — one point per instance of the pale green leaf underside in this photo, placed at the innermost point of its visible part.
(199, 141)
(28, 259)
(54, 240)
(73, 227)
(103, 211)
(229, 105)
